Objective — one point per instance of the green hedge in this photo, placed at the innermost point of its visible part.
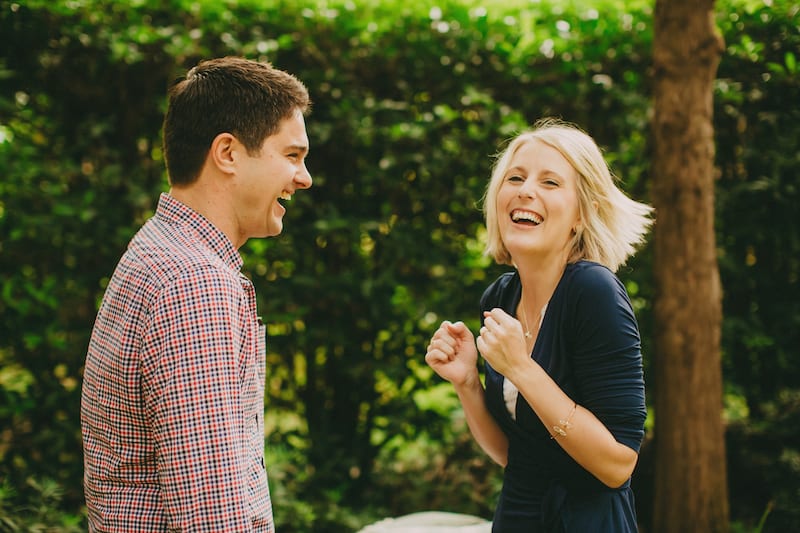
(411, 102)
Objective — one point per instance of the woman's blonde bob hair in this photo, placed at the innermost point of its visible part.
(612, 224)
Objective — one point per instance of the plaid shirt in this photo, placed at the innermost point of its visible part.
(172, 412)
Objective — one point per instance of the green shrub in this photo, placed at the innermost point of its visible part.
(411, 102)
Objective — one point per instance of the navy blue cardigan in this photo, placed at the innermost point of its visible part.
(589, 344)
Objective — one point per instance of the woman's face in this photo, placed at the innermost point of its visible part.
(537, 203)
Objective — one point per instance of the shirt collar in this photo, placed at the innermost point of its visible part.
(174, 212)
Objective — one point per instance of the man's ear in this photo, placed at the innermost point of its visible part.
(221, 153)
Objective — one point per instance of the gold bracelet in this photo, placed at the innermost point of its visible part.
(564, 425)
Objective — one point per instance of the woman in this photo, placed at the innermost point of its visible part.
(564, 406)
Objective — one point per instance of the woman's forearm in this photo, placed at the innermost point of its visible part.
(579, 432)
(481, 424)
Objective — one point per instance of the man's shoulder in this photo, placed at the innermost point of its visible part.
(165, 252)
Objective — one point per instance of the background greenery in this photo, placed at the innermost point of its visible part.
(412, 99)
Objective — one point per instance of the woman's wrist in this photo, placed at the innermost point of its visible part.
(470, 384)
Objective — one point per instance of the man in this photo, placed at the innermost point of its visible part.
(173, 392)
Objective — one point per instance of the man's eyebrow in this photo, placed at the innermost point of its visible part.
(297, 148)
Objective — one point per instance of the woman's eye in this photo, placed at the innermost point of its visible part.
(516, 178)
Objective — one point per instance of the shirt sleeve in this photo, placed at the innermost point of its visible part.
(192, 394)
(607, 355)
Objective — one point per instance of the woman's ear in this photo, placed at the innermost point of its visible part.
(579, 224)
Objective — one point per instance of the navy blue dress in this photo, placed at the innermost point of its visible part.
(589, 344)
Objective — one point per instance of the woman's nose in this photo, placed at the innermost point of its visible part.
(526, 190)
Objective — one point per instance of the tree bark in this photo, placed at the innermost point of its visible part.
(690, 472)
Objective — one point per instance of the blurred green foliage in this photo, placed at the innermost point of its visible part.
(412, 100)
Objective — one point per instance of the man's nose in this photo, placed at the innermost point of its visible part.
(303, 178)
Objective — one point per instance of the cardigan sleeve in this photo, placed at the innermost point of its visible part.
(607, 358)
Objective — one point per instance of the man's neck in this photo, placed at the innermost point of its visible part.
(212, 205)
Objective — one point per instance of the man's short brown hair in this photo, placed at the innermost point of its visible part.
(246, 98)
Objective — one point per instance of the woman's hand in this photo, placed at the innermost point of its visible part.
(502, 342)
(452, 353)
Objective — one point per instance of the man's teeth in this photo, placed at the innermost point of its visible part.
(516, 216)
(285, 196)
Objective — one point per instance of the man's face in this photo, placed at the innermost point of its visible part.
(269, 177)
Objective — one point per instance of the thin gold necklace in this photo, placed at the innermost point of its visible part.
(524, 319)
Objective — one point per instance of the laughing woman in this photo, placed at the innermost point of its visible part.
(564, 405)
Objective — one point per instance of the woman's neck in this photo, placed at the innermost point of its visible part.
(539, 281)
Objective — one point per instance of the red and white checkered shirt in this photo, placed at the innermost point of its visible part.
(172, 412)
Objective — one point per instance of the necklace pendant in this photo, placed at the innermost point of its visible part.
(528, 335)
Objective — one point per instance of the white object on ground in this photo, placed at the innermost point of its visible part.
(430, 522)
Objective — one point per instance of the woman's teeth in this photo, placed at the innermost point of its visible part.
(528, 216)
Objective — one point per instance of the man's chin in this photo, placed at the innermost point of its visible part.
(274, 229)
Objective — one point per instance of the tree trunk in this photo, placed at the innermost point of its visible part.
(690, 473)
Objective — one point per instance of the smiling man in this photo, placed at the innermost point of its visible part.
(172, 411)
